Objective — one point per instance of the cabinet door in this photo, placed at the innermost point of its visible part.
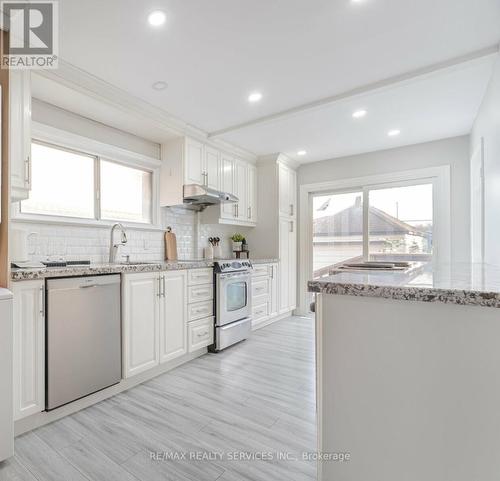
(173, 315)
(274, 294)
(212, 168)
(140, 313)
(284, 267)
(284, 188)
(292, 192)
(29, 348)
(228, 211)
(252, 194)
(241, 174)
(20, 133)
(193, 163)
(292, 263)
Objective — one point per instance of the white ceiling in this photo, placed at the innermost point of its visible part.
(214, 53)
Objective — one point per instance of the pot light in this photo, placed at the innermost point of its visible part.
(157, 18)
(160, 85)
(359, 114)
(255, 97)
(301, 152)
(393, 132)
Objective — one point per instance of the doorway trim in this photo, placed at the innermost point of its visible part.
(440, 178)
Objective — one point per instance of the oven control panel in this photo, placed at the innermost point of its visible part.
(232, 266)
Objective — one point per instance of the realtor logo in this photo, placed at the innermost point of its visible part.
(33, 34)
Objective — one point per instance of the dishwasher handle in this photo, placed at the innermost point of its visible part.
(82, 282)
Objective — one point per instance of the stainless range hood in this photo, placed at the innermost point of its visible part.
(200, 196)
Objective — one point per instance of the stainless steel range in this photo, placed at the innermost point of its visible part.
(233, 302)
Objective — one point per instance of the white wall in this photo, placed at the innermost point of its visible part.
(487, 126)
(453, 152)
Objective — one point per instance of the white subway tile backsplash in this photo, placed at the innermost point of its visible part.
(74, 242)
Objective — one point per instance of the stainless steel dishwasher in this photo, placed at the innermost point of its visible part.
(83, 337)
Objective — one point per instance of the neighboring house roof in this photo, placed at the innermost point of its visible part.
(349, 222)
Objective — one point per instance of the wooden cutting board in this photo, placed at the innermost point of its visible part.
(170, 246)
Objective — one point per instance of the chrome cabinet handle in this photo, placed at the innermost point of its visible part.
(42, 301)
(27, 173)
(291, 226)
(164, 288)
(202, 334)
(159, 286)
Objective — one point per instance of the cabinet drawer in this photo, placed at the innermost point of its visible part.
(260, 312)
(200, 333)
(261, 270)
(260, 287)
(200, 293)
(200, 276)
(200, 310)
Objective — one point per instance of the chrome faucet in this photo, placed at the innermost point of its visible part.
(113, 248)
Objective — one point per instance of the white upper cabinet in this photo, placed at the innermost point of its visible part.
(212, 168)
(228, 211)
(189, 161)
(241, 191)
(287, 184)
(252, 194)
(194, 172)
(20, 133)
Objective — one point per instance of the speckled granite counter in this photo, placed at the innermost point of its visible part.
(99, 269)
(463, 284)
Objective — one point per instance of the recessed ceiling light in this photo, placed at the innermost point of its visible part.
(393, 132)
(254, 97)
(301, 152)
(359, 114)
(157, 18)
(160, 85)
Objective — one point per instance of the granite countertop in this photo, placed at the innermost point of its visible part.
(461, 283)
(99, 269)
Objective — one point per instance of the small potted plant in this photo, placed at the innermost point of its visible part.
(237, 242)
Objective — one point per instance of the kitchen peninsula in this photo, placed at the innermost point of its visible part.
(409, 373)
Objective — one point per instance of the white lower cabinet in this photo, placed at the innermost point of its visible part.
(173, 315)
(29, 348)
(156, 309)
(141, 322)
(201, 333)
(265, 293)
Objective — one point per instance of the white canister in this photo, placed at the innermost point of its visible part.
(217, 252)
(208, 252)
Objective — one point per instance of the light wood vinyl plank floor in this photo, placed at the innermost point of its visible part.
(256, 399)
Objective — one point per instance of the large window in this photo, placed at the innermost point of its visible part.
(67, 183)
(373, 223)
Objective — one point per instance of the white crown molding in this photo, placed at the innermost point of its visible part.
(89, 85)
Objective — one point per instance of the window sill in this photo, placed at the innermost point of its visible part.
(74, 222)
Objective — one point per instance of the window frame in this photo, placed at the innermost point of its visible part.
(60, 139)
(439, 176)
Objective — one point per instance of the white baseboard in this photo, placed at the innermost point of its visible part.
(40, 419)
